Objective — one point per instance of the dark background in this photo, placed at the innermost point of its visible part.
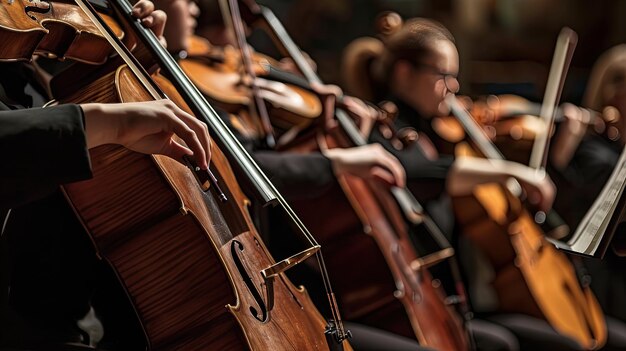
(505, 46)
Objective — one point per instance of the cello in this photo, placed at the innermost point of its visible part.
(191, 261)
(531, 277)
(53, 29)
(392, 289)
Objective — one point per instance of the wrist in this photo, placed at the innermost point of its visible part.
(97, 128)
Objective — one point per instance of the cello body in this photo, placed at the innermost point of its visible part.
(368, 247)
(531, 276)
(191, 264)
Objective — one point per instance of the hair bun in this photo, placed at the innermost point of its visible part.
(388, 22)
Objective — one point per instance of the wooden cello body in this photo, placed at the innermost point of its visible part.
(190, 263)
(198, 275)
(380, 280)
(531, 275)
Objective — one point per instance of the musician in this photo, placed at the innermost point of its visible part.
(293, 172)
(417, 70)
(587, 170)
(56, 295)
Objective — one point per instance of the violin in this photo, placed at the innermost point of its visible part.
(513, 123)
(219, 75)
(53, 29)
(393, 289)
(180, 239)
(501, 112)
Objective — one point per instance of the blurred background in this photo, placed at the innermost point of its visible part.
(505, 46)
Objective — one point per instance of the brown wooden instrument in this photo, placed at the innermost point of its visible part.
(513, 122)
(187, 253)
(53, 29)
(218, 74)
(392, 288)
(531, 276)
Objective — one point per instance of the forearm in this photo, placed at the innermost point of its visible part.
(468, 172)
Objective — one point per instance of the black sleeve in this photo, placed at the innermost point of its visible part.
(418, 167)
(295, 175)
(426, 178)
(42, 148)
(591, 166)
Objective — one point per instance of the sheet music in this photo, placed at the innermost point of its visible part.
(593, 227)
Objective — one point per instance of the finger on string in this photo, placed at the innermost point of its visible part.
(177, 151)
(142, 8)
(395, 167)
(201, 131)
(190, 138)
(159, 19)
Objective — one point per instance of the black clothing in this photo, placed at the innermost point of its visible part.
(293, 172)
(48, 260)
(290, 172)
(584, 177)
(579, 185)
(424, 175)
(47, 148)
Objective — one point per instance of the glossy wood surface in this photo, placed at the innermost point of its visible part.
(531, 276)
(176, 250)
(369, 251)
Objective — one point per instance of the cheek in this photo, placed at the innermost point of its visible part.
(436, 93)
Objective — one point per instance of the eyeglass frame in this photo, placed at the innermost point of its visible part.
(436, 71)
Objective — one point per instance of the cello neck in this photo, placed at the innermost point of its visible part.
(201, 108)
(237, 155)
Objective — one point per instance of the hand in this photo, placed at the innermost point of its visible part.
(149, 128)
(539, 188)
(569, 136)
(364, 113)
(366, 162)
(151, 18)
(468, 172)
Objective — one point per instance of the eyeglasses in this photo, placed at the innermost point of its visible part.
(449, 80)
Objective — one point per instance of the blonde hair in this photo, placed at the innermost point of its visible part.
(604, 72)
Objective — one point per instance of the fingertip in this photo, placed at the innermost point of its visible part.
(138, 9)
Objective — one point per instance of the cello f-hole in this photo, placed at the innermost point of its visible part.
(263, 314)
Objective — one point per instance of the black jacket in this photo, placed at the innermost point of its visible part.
(47, 258)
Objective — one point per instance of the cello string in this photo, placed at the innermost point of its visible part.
(270, 192)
